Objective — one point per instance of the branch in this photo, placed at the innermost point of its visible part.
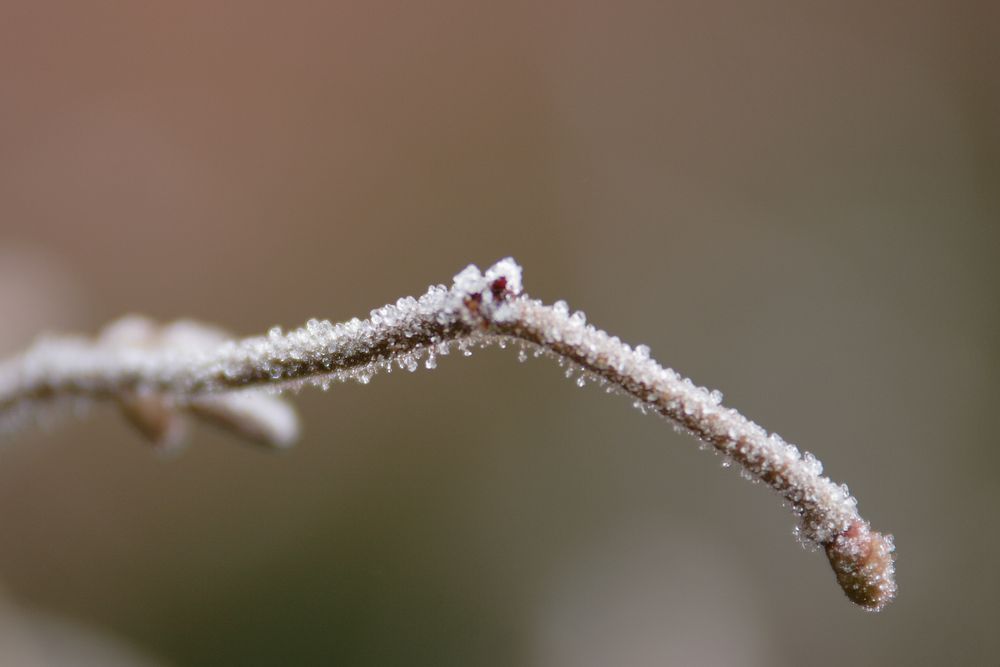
(158, 374)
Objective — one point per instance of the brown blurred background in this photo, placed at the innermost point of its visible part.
(796, 205)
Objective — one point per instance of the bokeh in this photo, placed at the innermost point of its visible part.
(795, 203)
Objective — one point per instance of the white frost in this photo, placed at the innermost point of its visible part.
(158, 373)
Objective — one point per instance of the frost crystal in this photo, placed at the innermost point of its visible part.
(158, 374)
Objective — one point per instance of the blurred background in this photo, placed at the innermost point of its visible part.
(797, 205)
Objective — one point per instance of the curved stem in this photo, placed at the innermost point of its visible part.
(479, 308)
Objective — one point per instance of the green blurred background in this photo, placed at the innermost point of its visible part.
(796, 203)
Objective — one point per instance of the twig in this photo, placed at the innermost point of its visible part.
(155, 374)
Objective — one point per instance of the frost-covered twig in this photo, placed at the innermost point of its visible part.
(155, 374)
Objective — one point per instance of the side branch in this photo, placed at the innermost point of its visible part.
(158, 374)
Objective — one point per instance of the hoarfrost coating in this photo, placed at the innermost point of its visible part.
(157, 374)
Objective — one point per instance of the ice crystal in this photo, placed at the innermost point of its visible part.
(160, 374)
